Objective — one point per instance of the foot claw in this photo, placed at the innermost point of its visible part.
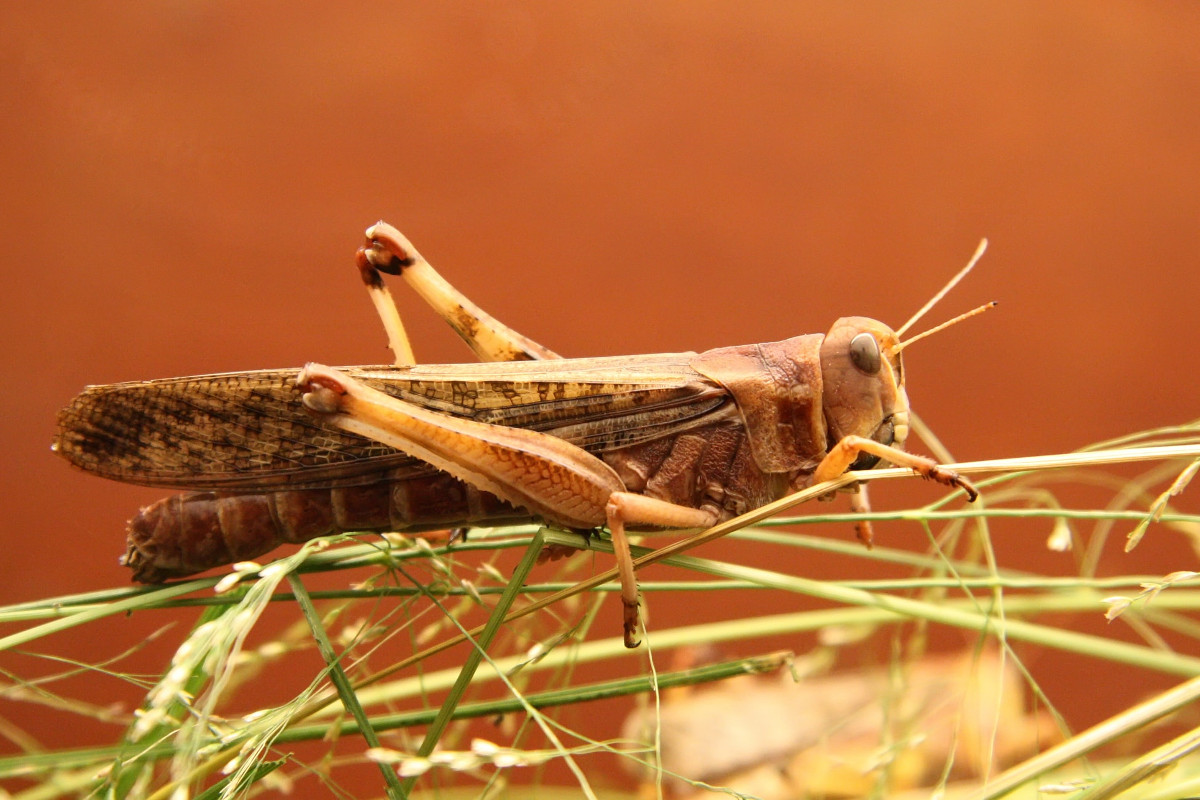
(865, 533)
(968, 487)
(951, 478)
(632, 639)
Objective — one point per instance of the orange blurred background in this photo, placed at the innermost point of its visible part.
(185, 184)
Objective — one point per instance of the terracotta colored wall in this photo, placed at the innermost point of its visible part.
(183, 188)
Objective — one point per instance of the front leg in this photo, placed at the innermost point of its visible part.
(843, 454)
(550, 477)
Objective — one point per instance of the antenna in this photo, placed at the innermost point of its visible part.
(979, 251)
(973, 312)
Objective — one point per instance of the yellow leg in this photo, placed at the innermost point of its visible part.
(550, 477)
(387, 250)
(861, 504)
(637, 509)
(843, 454)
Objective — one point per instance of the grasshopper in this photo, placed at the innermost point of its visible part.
(669, 441)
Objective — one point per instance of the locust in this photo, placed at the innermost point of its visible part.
(645, 443)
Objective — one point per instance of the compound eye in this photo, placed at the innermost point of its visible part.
(864, 352)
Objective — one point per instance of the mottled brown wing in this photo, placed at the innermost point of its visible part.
(248, 431)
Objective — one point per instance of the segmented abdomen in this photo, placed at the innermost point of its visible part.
(188, 533)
